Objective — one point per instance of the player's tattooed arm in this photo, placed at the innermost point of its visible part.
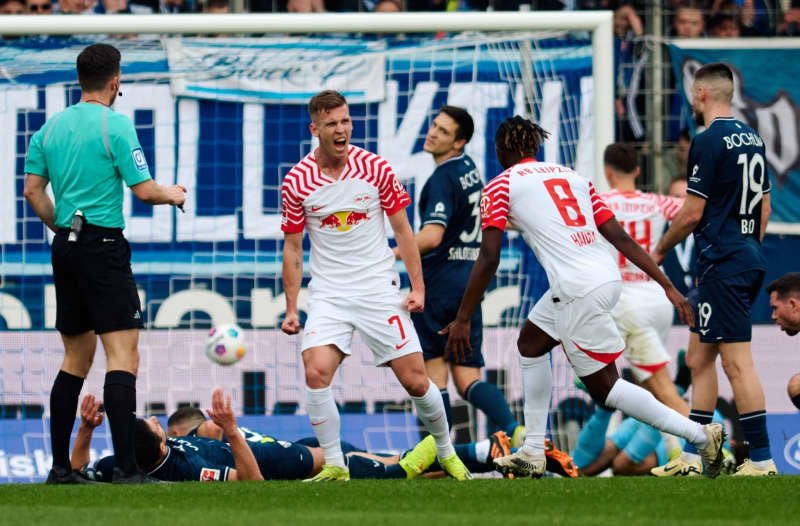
(684, 223)
(483, 270)
(90, 419)
(766, 210)
(292, 279)
(616, 235)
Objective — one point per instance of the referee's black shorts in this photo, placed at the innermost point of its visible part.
(95, 289)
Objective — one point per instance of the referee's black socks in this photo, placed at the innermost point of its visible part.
(119, 399)
(63, 406)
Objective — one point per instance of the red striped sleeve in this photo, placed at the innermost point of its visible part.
(293, 216)
(495, 203)
(393, 196)
(669, 206)
(599, 208)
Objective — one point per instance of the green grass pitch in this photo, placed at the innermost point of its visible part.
(546, 502)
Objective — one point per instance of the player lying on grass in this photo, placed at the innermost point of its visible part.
(477, 456)
(197, 458)
(633, 448)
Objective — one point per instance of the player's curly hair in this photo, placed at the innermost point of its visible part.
(520, 135)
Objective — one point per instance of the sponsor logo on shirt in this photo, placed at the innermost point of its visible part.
(138, 159)
(343, 221)
(208, 475)
(438, 210)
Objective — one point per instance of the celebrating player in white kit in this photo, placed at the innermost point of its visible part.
(340, 194)
(643, 314)
(561, 218)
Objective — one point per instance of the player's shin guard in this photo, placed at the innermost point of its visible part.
(119, 400)
(324, 416)
(537, 382)
(642, 405)
(63, 405)
(431, 412)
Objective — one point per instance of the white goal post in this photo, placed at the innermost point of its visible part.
(598, 23)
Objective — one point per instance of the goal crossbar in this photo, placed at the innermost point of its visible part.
(598, 23)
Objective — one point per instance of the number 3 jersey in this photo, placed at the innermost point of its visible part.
(350, 254)
(644, 216)
(558, 212)
(450, 198)
(728, 168)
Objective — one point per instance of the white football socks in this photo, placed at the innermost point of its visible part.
(537, 382)
(430, 409)
(324, 416)
(642, 405)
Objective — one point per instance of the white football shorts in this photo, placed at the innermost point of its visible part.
(381, 320)
(644, 317)
(584, 326)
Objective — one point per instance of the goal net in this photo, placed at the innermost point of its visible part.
(226, 118)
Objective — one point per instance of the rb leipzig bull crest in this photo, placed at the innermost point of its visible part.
(343, 221)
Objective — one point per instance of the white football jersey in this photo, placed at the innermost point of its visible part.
(558, 212)
(644, 216)
(350, 254)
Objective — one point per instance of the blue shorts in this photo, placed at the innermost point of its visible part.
(347, 447)
(283, 460)
(437, 314)
(723, 306)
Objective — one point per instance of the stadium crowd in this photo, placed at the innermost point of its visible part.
(687, 18)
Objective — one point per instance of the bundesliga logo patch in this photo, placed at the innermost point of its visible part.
(208, 474)
(138, 159)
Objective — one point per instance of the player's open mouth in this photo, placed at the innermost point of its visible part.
(340, 142)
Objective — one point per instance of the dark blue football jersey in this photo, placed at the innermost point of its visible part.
(728, 168)
(451, 198)
(205, 459)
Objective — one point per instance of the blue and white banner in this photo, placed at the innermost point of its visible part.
(767, 97)
(288, 70)
(222, 257)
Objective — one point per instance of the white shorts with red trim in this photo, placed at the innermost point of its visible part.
(644, 317)
(381, 320)
(584, 326)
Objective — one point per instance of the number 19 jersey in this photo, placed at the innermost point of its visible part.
(728, 168)
(558, 212)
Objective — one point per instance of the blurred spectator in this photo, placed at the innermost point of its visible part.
(790, 22)
(175, 6)
(39, 7)
(305, 6)
(688, 21)
(675, 165)
(725, 23)
(677, 186)
(388, 6)
(12, 7)
(429, 5)
(216, 7)
(753, 15)
(628, 72)
(74, 7)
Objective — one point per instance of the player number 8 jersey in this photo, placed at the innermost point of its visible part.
(558, 212)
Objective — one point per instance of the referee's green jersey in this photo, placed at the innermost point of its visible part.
(86, 151)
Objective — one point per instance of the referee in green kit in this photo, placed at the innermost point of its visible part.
(86, 152)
